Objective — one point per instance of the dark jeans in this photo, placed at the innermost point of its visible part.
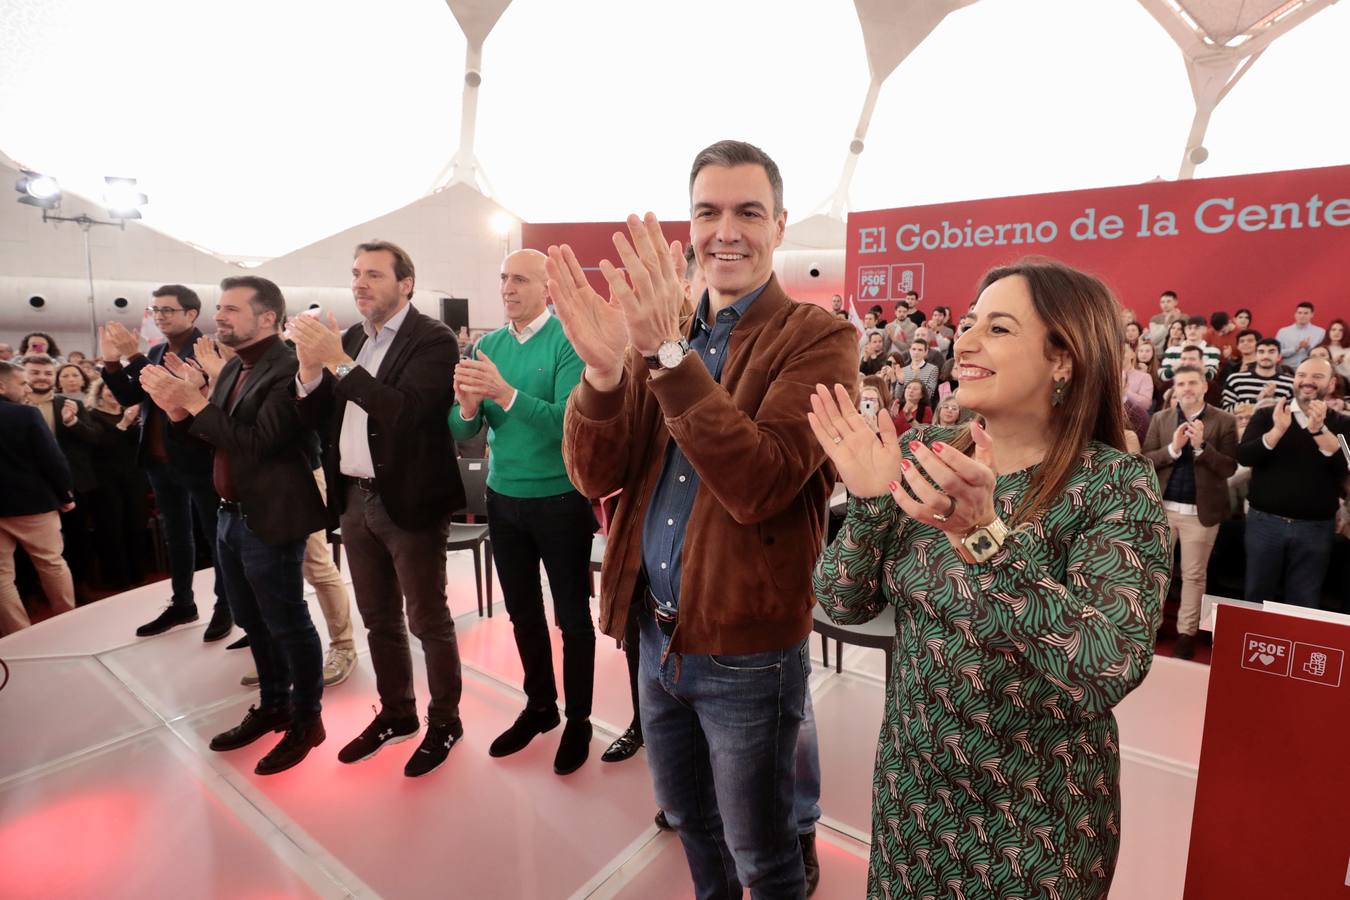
(721, 737)
(267, 597)
(389, 564)
(557, 531)
(1287, 558)
(178, 493)
(806, 793)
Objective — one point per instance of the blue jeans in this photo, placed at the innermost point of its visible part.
(806, 796)
(177, 493)
(1287, 558)
(721, 734)
(267, 596)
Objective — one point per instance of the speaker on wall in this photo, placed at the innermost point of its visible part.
(455, 312)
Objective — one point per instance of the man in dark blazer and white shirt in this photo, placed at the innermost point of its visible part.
(269, 505)
(1193, 447)
(379, 395)
(35, 484)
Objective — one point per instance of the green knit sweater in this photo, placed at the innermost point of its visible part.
(526, 440)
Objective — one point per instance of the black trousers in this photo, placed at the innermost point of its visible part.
(556, 531)
(391, 567)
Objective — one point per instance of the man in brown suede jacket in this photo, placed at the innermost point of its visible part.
(701, 421)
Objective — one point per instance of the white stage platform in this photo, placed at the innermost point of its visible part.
(108, 790)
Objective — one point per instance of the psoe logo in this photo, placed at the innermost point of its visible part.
(874, 282)
(906, 277)
(1267, 654)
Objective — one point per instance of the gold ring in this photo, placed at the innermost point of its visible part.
(837, 439)
(943, 517)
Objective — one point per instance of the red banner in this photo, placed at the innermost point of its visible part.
(1272, 804)
(1264, 242)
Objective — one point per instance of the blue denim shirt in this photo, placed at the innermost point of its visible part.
(673, 499)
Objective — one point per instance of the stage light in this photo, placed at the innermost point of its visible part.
(38, 190)
(121, 198)
(502, 223)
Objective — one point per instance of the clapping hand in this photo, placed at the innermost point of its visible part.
(115, 342)
(1197, 434)
(644, 305)
(191, 372)
(130, 415)
(68, 412)
(1316, 411)
(478, 379)
(947, 489)
(867, 466)
(211, 356)
(318, 345)
(176, 396)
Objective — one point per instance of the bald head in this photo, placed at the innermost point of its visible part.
(524, 286)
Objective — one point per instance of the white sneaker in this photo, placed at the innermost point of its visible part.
(338, 665)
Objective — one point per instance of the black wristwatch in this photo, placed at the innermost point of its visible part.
(1319, 432)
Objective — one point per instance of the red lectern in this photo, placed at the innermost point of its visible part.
(1272, 802)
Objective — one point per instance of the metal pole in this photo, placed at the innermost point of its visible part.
(89, 269)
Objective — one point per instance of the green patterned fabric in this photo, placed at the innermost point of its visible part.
(998, 767)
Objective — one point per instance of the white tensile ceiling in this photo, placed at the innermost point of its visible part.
(257, 127)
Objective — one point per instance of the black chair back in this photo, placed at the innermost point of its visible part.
(473, 473)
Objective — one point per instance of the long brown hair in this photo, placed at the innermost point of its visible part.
(1082, 319)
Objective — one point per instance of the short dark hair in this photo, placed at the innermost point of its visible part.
(1218, 320)
(1194, 370)
(403, 264)
(9, 370)
(186, 296)
(919, 340)
(946, 311)
(1248, 331)
(1268, 342)
(1172, 294)
(1196, 320)
(912, 295)
(1243, 310)
(875, 308)
(1189, 347)
(738, 153)
(266, 295)
(1305, 305)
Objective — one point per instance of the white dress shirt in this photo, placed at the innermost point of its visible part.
(354, 459)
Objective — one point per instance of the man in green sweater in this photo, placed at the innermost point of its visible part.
(517, 383)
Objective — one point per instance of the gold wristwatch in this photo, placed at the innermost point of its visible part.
(982, 541)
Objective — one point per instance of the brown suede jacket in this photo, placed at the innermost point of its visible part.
(757, 523)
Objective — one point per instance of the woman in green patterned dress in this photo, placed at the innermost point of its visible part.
(1027, 560)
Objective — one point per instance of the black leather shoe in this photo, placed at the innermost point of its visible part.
(241, 644)
(528, 724)
(434, 749)
(172, 615)
(383, 730)
(661, 821)
(257, 722)
(574, 747)
(293, 747)
(624, 746)
(811, 862)
(1184, 648)
(221, 623)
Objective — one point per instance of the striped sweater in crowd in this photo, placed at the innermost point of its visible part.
(1245, 386)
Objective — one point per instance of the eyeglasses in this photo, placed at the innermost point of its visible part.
(164, 310)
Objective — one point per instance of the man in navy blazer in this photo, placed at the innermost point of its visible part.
(178, 466)
(269, 505)
(35, 484)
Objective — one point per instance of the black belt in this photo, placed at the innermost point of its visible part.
(664, 620)
(230, 506)
(365, 484)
